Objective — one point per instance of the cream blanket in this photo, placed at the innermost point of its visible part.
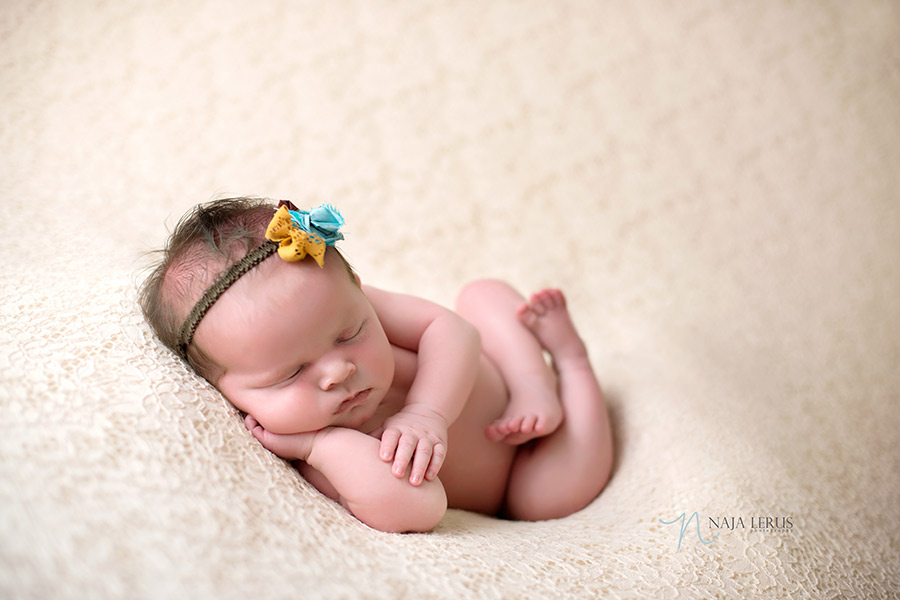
(713, 183)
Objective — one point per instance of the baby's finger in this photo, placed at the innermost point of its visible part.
(437, 461)
(389, 440)
(424, 451)
(405, 448)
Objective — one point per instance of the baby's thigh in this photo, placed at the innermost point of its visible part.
(476, 470)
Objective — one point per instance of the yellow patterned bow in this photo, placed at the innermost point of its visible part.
(295, 243)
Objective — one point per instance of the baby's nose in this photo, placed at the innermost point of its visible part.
(337, 373)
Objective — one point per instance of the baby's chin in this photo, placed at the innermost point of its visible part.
(364, 417)
(359, 423)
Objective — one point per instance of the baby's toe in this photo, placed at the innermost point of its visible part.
(493, 433)
(528, 424)
(538, 302)
(555, 299)
(526, 315)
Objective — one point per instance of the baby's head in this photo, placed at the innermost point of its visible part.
(212, 247)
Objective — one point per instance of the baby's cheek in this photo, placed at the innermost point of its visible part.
(269, 413)
(268, 421)
(382, 361)
(280, 421)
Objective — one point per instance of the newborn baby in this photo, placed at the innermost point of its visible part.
(394, 406)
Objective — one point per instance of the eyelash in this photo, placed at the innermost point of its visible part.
(296, 373)
(354, 336)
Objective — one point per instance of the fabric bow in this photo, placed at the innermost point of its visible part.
(300, 233)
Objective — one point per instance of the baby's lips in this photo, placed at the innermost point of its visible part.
(354, 400)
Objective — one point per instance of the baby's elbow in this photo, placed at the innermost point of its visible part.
(470, 334)
(421, 516)
(415, 510)
(474, 337)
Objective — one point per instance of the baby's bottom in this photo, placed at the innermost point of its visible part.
(559, 415)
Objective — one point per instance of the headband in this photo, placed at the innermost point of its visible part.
(294, 234)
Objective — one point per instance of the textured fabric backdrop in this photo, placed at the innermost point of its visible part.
(714, 184)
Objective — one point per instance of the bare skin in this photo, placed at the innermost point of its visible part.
(509, 340)
(397, 411)
(561, 473)
(563, 413)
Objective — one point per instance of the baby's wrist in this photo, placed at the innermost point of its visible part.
(418, 407)
(426, 409)
(313, 440)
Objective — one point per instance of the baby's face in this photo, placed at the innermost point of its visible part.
(301, 347)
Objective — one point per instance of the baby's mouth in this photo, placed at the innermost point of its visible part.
(353, 401)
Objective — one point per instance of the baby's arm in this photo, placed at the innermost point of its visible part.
(348, 459)
(448, 349)
(344, 465)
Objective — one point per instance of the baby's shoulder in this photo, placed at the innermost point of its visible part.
(379, 294)
(403, 315)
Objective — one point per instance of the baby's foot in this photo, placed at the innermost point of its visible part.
(548, 319)
(516, 428)
(534, 407)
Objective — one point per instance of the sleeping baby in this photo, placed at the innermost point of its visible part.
(392, 405)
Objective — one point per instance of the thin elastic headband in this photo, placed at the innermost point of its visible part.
(253, 258)
(293, 233)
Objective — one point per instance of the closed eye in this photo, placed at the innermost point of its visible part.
(354, 335)
(293, 375)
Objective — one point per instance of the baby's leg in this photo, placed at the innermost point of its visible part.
(563, 472)
(534, 409)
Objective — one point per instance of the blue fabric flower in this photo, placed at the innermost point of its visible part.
(324, 221)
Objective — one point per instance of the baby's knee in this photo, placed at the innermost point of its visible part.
(476, 293)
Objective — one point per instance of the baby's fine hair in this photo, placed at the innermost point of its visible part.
(207, 241)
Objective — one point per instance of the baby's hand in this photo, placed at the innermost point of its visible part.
(293, 446)
(417, 435)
